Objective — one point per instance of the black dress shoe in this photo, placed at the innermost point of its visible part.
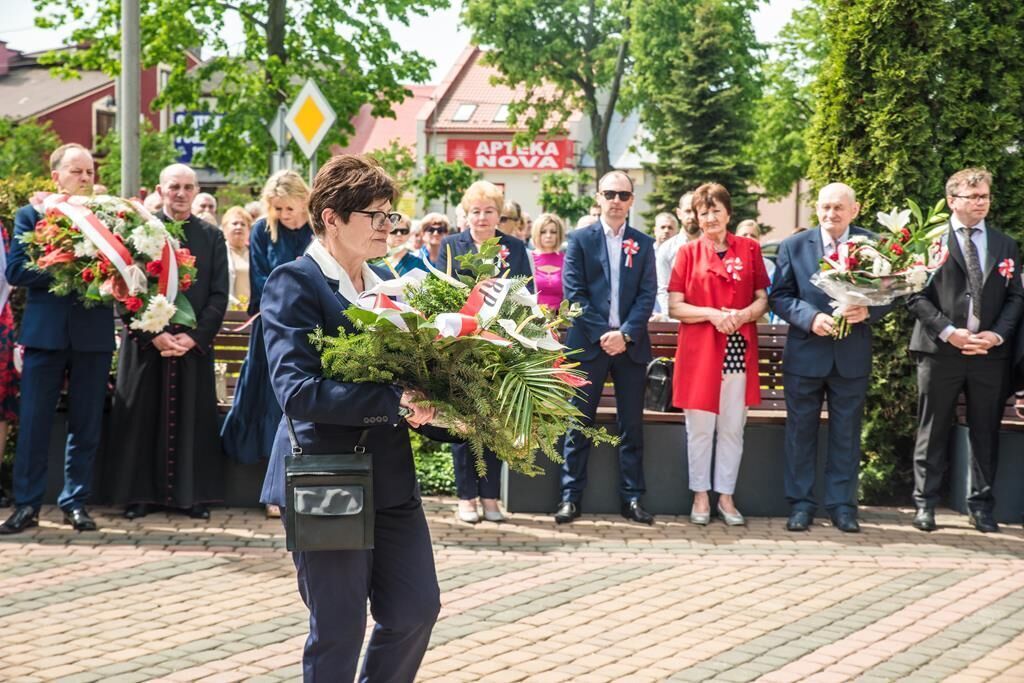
(198, 511)
(79, 519)
(24, 517)
(983, 521)
(799, 520)
(566, 512)
(846, 522)
(924, 519)
(135, 511)
(633, 512)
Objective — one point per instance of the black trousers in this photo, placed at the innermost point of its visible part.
(399, 580)
(940, 379)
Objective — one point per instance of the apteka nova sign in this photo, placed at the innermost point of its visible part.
(542, 155)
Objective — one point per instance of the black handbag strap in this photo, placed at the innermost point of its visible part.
(297, 449)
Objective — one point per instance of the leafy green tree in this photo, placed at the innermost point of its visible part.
(398, 160)
(25, 147)
(698, 60)
(565, 55)
(560, 194)
(444, 180)
(909, 93)
(235, 195)
(157, 151)
(783, 114)
(346, 47)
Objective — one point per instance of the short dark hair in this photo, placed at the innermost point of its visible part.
(346, 183)
(709, 194)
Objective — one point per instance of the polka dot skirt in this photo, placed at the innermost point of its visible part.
(735, 354)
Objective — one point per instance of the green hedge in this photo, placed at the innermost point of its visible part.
(434, 467)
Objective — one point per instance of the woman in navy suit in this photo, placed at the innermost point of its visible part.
(482, 203)
(350, 211)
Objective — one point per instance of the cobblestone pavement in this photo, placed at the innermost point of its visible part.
(173, 599)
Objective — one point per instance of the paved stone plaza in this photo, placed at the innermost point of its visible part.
(169, 598)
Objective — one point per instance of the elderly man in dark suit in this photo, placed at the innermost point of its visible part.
(966, 317)
(609, 270)
(816, 365)
(62, 338)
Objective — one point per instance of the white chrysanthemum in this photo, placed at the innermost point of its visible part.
(156, 316)
(84, 248)
(148, 240)
(155, 224)
(880, 267)
(917, 277)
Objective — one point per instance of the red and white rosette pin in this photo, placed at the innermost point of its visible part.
(503, 255)
(630, 248)
(733, 266)
(1007, 268)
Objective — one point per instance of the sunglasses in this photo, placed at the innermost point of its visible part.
(400, 231)
(436, 229)
(506, 219)
(623, 195)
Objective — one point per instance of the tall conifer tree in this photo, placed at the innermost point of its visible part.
(696, 96)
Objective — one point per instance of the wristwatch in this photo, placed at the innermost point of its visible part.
(404, 411)
(627, 338)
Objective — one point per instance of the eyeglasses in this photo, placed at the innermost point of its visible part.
(400, 231)
(436, 229)
(506, 219)
(623, 195)
(977, 198)
(378, 218)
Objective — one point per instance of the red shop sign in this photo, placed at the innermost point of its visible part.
(537, 156)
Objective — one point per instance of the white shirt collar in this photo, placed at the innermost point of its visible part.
(608, 231)
(332, 270)
(957, 224)
(826, 237)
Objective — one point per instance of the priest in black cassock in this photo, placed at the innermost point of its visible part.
(164, 443)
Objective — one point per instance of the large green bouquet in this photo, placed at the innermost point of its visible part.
(481, 349)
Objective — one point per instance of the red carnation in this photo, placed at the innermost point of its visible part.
(896, 248)
(47, 248)
(132, 303)
(906, 235)
(852, 263)
(121, 214)
(88, 275)
(154, 268)
(186, 282)
(104, 267)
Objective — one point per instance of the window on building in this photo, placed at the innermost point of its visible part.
(501, 116)
(105, 122)
(464, 112)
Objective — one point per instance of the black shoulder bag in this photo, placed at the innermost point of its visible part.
(658, 389)
(328, 498)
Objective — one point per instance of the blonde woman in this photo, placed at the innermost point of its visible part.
(548, 231)
(235, 225)
(280, 237)
(435, 228)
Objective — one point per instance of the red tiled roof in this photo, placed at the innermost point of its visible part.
(469, 82)
(377, 133)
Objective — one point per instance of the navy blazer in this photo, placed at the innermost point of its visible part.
(462, 243)
(586, 280)
(794, 299)
(50, 322)
(945, 300)
(328, 416)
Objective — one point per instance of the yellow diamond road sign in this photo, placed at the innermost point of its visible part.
(309, 118)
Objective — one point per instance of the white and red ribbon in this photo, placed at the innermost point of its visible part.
(631, 249)
(1006, 268)
(97, 233)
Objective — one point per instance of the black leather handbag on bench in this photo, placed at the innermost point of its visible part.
(658, 390)
(329, 498)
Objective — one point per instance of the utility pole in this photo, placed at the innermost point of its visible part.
(129, 99)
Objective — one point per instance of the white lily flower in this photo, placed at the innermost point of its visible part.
(937, 231)
(895, 221)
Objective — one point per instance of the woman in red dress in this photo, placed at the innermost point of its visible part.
(717, 292)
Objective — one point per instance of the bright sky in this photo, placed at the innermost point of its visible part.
(437, 36)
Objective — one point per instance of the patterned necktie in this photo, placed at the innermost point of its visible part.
(974, 276)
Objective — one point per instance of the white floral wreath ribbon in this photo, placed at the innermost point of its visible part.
(100, 235)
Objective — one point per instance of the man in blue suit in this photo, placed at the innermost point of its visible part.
(609, 270)
(816, 365)
(62, 338)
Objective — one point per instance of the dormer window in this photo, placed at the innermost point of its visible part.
(464, 112)
(501, 116)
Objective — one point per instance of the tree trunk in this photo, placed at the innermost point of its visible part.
(275, 48)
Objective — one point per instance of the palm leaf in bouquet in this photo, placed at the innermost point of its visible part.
(479, 347)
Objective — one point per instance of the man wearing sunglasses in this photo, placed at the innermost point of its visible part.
(609, 270)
